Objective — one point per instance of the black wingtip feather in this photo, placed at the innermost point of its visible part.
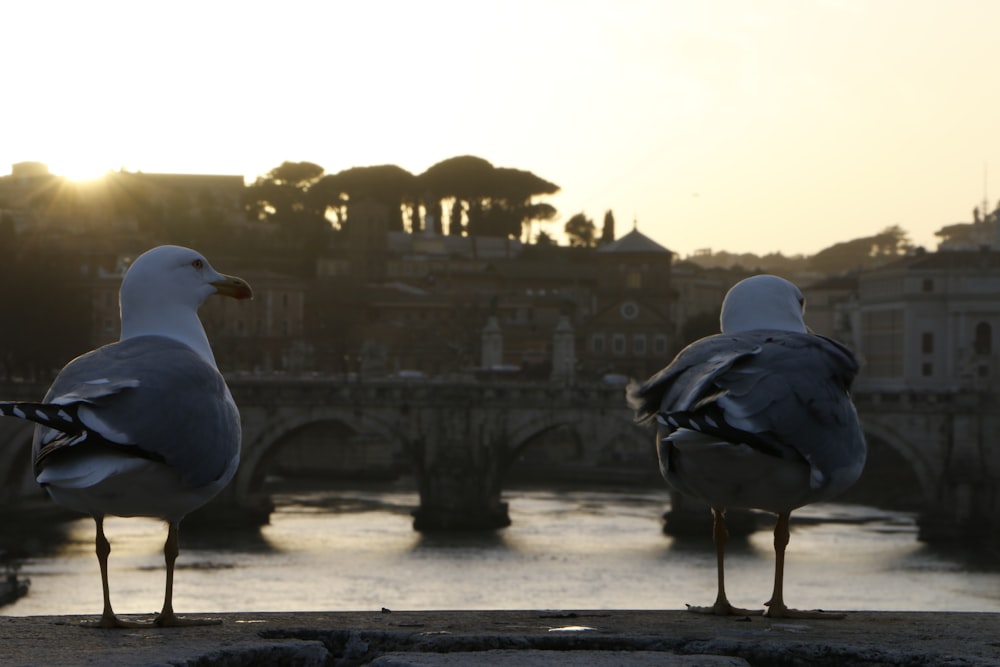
(61, 418)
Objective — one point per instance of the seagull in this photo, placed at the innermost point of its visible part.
(757, 417)
(145, 426)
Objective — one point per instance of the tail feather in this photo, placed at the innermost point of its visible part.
(58, 417)
(67, 431)
(711, 421)
(643, 403)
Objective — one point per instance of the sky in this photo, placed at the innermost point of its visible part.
(739, 125)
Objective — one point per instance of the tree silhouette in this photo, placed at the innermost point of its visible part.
(282, 197)
(510, 201)
(862, 253)
(385, 184)
(891, 242)
(608, 230)
(544, 239)
(580, 230)
(486, 200)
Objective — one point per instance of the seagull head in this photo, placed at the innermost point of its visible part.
(163, 289)
(763, 302)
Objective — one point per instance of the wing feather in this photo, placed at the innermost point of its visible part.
(125, 392)
(783, 393)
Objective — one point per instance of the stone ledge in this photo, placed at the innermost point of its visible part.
(502, 638)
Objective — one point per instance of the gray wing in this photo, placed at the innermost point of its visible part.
(689, 376)
(784, 393)
(151, 396)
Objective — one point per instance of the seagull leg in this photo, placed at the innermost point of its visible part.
(103, 549)
(167, 617)
(776, 605)
(721, 607)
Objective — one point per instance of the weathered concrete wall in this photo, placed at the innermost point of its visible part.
(508, 638)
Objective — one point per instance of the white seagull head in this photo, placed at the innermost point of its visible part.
(164, 287)
(763, 302)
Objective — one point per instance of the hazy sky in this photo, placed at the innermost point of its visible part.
(744, 125)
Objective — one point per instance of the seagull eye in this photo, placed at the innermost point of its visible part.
(198, 263)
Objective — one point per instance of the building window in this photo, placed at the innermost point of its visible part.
(882, 340)
(597, 343)
(639, 344)
(928, 285)
(927, 343)
(983, 342)
(659, 345)
(633, 280)
(618, 343)
(927, 369)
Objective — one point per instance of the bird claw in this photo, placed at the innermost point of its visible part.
(724, 609)
(171, 620)
(815, 614)
(113, 622)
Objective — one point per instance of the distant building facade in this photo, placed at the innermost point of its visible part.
(931, 321)
(264, 335)
(630, 332)
(384, 303)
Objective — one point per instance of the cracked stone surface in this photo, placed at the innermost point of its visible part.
(506, 638)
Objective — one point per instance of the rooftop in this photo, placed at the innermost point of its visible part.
(634, 242)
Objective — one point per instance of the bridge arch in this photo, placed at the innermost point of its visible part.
(595, 437)
(272, 433)
(555, 445)
(910, 451)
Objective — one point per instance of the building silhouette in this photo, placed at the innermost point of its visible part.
(367, 301)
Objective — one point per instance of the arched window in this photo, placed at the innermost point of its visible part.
(983, 342)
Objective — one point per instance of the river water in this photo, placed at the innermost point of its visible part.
(354, 549)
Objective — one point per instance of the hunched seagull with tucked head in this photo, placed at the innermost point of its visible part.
(757, 417)
(145, 426)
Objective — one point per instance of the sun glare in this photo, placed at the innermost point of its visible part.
(78, 170)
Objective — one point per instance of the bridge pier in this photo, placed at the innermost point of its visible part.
(965, 504)
(690, 517)
(456, 497)
(459, 488)
(228, 509)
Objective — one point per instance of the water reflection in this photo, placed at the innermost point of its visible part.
(473, 542)
(41, 529)
(237, 540)
(355, 549)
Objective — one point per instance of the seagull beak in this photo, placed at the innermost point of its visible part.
(234, 287)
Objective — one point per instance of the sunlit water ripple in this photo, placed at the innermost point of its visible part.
(594, 549)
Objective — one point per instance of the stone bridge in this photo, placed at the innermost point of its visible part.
(457, 437)
(951, 442)
(460, 437)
